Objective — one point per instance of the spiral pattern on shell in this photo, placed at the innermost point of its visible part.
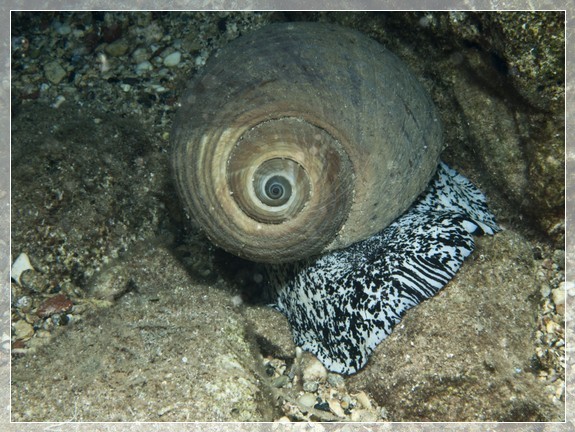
(300, 138)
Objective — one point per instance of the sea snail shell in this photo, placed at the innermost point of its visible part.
(301, 138)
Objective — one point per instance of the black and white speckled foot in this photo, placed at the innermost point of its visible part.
(343, 304)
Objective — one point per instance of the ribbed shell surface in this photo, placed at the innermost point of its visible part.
(300, 138)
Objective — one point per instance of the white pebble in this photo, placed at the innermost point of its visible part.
(158, 88)
(363, 399)
(201, 59)
(545, 290)
(558, 295)
(21, 264)
(310, 386)
(24, 302)
(59, 101)
(336, 408)
(307, 400)
(552, 327)
(144, 66)
(173, 59)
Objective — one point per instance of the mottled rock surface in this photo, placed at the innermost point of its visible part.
(171, 349)
(468, 354)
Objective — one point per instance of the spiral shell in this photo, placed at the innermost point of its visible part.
(301, 138)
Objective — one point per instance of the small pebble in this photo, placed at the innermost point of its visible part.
(140, 55)
(335, 380)
(21, 330)
(54, 72)
(558, 295)
(310, 386)
(280, 381)
(117, 48)
(384, 414)
(144, 66)
(111, 283)
(201, 59)
(363, 416)
(112, 32)
(54, 305)
(237, 300)
(24, 303)
(19, 43)
(322, 406)
(363, 400)
(307, 400)
(314, 371)
(143, 19)
(158, 88)
(336, 408)
(552, 327)
(58, 101)
(559, 258)
(173, 59)
(20, 265)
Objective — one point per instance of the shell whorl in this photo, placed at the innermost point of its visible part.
(301, 138)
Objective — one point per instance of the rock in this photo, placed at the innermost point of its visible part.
(149, 333)
(308, 400)
(143, 67)
(559, 258)
(509, 87)
(54, 305)
(363, 416)
(310, 386)
(335, 407)
(72, 137)
(314, 371)
(281, 381)
(532, 46)
(499, 82)
(22, 330)
(140, 55)
(117, 48)
(558, 295)
(448, 358)
(20, 265)
(172, 59)
(335, 380)
(54, 72)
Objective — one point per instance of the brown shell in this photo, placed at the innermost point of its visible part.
(300, 138)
